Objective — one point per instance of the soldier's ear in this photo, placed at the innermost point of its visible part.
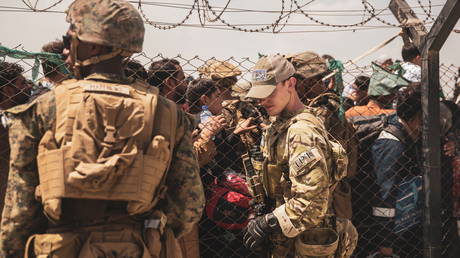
(292, 81)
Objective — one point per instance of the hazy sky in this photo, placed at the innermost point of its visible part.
(32, 30)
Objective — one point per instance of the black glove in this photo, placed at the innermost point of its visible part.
(258, 230)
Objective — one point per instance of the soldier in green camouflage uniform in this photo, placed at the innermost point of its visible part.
(92, 34)
(303, 164)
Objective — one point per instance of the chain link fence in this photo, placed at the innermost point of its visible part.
(385, 171)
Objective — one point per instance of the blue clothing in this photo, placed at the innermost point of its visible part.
(396, 160)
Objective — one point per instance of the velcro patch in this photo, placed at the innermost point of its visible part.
(259, 75)
(106, 89)
(305, 158)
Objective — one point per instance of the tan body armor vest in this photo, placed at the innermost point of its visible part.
(106, 146)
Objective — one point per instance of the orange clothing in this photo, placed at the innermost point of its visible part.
(371, 109)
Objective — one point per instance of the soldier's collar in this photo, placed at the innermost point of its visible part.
(109, 77)
(286, 115)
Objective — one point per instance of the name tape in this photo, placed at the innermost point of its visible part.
(107, 89)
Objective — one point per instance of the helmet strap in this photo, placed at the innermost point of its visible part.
(92, 60)
(98, 59)
(74, 53)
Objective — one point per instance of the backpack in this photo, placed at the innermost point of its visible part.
(228, 205)
(106, 146)
(368, 129)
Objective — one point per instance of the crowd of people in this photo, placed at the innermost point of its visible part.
(290, 163)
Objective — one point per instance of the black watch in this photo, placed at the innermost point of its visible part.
(272, 221)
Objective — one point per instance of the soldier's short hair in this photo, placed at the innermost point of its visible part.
(55, 47)
(409, 102)
(162, 70)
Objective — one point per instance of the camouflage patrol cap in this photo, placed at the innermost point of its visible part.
(114, 23)
(267, 73)
(215, 70)
(307, 64)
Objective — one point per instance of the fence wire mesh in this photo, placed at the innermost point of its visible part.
(388, 168)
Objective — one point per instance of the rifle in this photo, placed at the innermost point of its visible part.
(253, 166)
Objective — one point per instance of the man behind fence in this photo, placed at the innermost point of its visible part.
(302, 166)
(396, 156)
(94, 156)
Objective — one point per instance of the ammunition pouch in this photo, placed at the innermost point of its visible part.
(317, 242)
(341, 200)
(272, 181)
(54, 245)
(105, 242)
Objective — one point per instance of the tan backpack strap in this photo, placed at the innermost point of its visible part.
(67, 99)
(150, 110)
(165, 124)
(110, 127)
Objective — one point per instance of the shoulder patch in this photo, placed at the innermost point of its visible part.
(305, 158)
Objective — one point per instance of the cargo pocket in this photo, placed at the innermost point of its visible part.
(54, 245)
(340, 158)
(124, 243)
(319, 242)
(341, 200)
(153, 166)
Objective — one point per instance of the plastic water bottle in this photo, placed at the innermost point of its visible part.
(205, 114)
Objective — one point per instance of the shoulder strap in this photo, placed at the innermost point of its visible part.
(68, 96)
(396, 132)
(150, 101)
(165, 124)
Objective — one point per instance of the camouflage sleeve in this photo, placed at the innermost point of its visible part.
(185, 196)
(308, 166)
(22, 215)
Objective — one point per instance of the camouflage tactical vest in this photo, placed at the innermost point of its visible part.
(106, 146)
(327, 106)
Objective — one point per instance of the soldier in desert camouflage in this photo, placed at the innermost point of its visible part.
(93, 156)
(303, 164)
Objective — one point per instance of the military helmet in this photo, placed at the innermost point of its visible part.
(114, 23)
(308, 64)
(216, 70)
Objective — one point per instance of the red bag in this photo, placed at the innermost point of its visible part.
(229, 202)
